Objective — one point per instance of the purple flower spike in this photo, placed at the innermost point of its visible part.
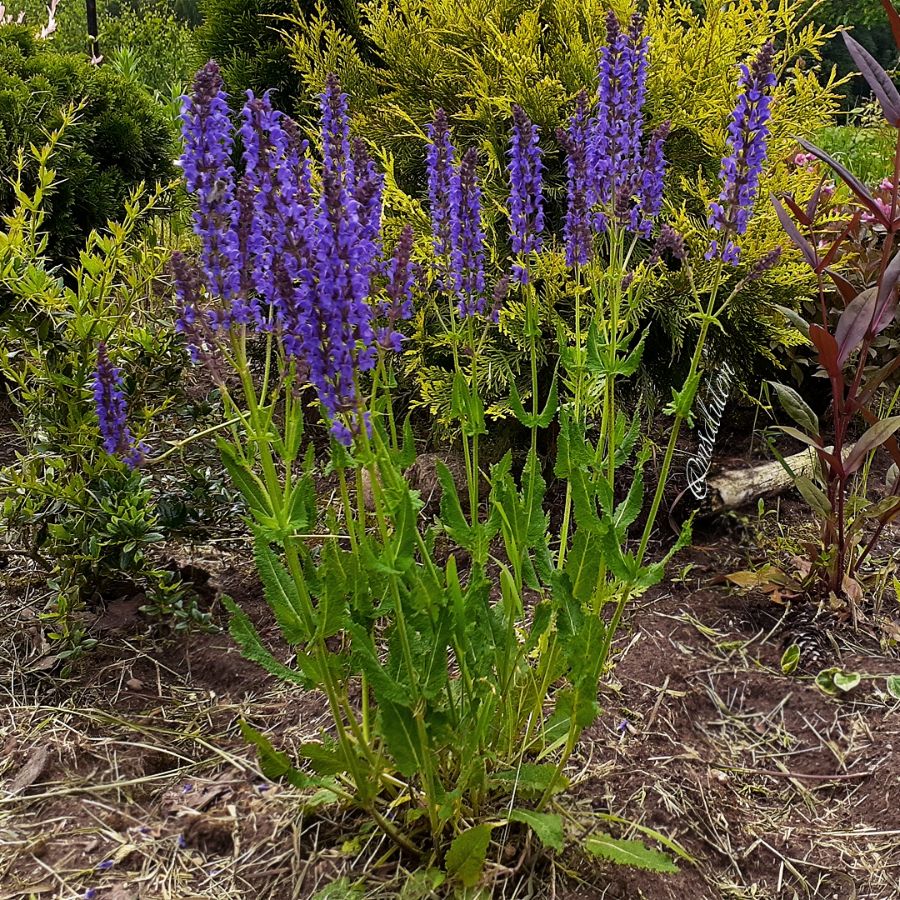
(652, 182)
(112, 411)
(206, 162)
(401, 278)
(741, 169)
(526, 204)
(468, 237)
(577, 143)
(441, 165)
(335, 129)
(617, 129)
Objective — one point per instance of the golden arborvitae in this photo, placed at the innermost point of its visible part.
(476, 58)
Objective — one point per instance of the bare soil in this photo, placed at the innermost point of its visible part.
(123, 774)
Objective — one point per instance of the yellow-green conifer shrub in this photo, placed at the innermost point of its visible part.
(477, 58)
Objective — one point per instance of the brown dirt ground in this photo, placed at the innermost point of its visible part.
(127, 777)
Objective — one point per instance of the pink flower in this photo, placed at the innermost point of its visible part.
(885, 208)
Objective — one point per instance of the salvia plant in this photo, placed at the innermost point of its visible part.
(458, 682)
(851, 523)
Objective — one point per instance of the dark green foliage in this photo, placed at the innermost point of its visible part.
(241, 35)
(121, 138)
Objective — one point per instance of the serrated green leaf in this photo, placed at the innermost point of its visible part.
(341, 889)
(245, 635)
(547, 826)
(245, 480)
(273, 763)
(401, 737)
(466, 856)
(280, 591)
(629, 853)
(530, 779)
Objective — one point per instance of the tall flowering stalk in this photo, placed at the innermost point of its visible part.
(209, 142)
(577, 141)
(468, 237)
(526, 201)
(441, 160)
(748, 132)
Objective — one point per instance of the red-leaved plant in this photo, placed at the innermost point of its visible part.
(851, 525)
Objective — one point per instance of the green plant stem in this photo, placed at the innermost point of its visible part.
(567, 503)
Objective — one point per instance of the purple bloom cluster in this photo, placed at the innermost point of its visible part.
(208, 145)
(580, 184)
(741, 169)
(612, 174)
(112, 411)
(401, 278)
(526, 203)
(276, 253)
(441, 161)
(619, 121)
(455, 197)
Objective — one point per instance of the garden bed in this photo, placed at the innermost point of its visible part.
(133, 781)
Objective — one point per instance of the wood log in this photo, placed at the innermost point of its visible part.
(737, 487)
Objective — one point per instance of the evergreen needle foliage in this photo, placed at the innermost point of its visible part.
(477, 59)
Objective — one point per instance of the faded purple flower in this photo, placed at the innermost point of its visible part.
(401, 278)
(652, 182)
(577, 142)
(112, 411)
(441, 174)
(468, 237)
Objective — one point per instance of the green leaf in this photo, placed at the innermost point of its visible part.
(825, 682)
(797, 408)
(629, 853)
(280, 591)
(893, 686)
(245, 480)
(547, 826)
(530, 779)
(401, 737)
(872, 439)
(273, 763)
(302, 506)
(583, 565)
(341, 889)
(324, 759)
(814, 496)
(834, 680)
(452, 516)
(366, 658)
(466, 856)
(847, 681)
(790, 659)
(245, 635)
